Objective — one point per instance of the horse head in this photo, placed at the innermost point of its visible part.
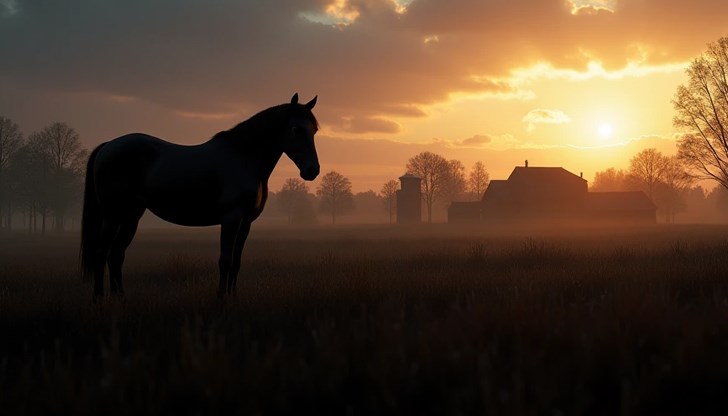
(298, 142)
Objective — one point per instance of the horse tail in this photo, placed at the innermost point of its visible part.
(90, 220)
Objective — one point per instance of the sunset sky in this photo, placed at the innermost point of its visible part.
(582, 84)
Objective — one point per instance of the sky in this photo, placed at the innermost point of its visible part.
(583, 84)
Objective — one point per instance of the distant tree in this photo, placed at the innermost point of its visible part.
(455, 183)
(670, 191)
(293, 199)
(62, 147)
(718, 199)
(647, 169)
(10, 141)
(29, 176)
(389, 197)
(59, 146)
(367, 203)
(702, 113)
(478, 180)
(610, 180)
(335, 195)
(434, 170)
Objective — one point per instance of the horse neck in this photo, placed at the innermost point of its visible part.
(253, 144)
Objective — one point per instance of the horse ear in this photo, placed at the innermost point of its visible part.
(311, 103)
(294, 99)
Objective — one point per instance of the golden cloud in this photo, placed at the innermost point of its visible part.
(544, 116)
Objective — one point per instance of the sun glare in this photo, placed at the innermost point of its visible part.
(605, 130)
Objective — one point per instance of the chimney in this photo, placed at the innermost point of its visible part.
(526, 162)
(581, 175)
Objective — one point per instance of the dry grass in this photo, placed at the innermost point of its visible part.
(375, 321)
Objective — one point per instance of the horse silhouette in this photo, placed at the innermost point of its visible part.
(222, 181)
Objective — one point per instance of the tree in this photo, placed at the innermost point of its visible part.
(367, 203)
(478, 180)
(455, 183)
(718, 199)
(29, 182)
(293, 200)
(702, 113)
(335, 194)
(672, 188)
(647, 169)
(389, 196)
(10, 141)
(434, 170)
(60, 146)
(610, 180)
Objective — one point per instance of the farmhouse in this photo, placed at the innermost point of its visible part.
(552, 194)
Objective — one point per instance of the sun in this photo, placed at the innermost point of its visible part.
(605, 130)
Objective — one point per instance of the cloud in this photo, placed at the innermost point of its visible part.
(340, 13)
(195, 56)
(592, 6)
(478, 140)
(361, 125)
(485, 142)
(8, 8)
(543, 116)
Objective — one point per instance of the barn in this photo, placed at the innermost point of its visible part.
(541, 194)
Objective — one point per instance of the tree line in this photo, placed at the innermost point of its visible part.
(443, 181)
(41, 176)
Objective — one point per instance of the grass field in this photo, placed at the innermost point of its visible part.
(374, 320)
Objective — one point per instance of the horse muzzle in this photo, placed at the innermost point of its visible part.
(310, 173)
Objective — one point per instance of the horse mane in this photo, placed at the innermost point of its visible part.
(260, 121)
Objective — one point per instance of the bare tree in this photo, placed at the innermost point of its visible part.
(63, 145)
(10, 141)
(335, 194)
(647, 169)
(389, 195)
(60, 146)
(478, 180)
(434, 170)
(702, 113)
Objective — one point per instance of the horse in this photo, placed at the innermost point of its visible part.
(223, 181)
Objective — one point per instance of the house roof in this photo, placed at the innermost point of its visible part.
(618, 201)
(543, 174)
(409, 176)
(496, 191)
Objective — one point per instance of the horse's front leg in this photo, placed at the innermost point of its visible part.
(240, 238)
(234, 230)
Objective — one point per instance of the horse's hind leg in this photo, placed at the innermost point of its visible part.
(240, 238)
(109, 230)
(126, 233)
